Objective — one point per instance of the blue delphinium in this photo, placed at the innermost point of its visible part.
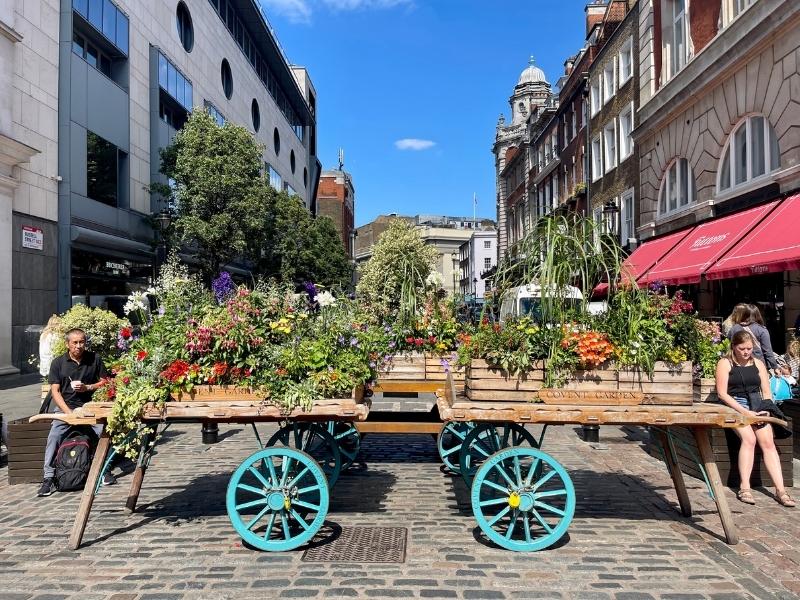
(223, 286)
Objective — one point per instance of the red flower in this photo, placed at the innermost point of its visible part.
(141, 355)
(409, 340)
(418, 341)
(220, 368)
(126, 380)
(176, 371)
(125, 332)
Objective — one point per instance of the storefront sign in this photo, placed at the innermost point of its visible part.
(32, 237)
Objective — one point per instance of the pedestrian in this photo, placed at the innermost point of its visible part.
(73, 378)
(733, 318)
(792, 358)
(740, 376)
(750, 320)
(47, 340)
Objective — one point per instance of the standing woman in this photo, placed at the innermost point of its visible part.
(751, 321)
(740, 374)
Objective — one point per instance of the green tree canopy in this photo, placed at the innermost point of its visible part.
(393, 279)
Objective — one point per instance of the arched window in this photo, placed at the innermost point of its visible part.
(677, 187)
(751, 152)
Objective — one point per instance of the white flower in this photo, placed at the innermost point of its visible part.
(325, 299)
(136, 301)
(434, 279)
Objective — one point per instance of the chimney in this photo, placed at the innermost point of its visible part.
(594, 14)
(568, 64)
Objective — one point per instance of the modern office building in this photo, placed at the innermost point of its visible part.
(129, 74)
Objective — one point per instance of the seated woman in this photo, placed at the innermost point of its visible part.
(740, 374)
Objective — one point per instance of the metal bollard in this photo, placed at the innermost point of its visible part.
(210, 432)
(591, 433)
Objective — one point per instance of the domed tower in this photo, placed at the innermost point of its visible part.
(532, 91)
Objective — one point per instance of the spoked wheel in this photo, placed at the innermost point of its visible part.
(523, 499)
(485, 439)
(449, 442)
(277, 499)
(348, 439)
(314, 440)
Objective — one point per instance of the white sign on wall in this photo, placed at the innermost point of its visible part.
(32, 237)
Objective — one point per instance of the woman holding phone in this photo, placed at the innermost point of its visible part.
(740, 375)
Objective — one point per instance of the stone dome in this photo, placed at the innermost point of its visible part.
(532, 74)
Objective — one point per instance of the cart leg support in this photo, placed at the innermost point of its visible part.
(707, 456)
(87, 498)
(676, 474)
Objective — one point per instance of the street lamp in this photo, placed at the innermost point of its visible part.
(474, 289)
(162, 220)
(454, 257)
(611, 210)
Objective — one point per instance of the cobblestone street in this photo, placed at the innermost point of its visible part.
(627, 540)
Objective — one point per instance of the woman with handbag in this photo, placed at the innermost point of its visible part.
(741, 378)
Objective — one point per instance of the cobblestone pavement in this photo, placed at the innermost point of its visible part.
(627, 540)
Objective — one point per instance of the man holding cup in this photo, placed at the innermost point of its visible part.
(74, 376)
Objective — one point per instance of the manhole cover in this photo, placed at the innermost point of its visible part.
(363, 544)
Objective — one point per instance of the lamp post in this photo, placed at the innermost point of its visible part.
(454, 257)
(163, 220)
(474, 290)
(611, 211)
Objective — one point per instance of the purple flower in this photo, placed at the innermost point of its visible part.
(392, 344)
(353, 341)
(446, 365)
(341, 341)
(223, 286)
(160, 311)
(311, 290)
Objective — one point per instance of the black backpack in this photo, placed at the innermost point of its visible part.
(73, 459)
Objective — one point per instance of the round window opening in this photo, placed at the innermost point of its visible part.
(227, 78)
(291, 160)
(276, 140)
(305, 177)
(256, 114)
(183, 20)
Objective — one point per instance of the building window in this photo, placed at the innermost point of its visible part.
(574, 125)
(625, 128)
(732, 9)
(289, 189)
(609, 81)
(102, 170)
(487, 263)
(677, 187)
(275, 179)
(91, 54)
(292, 162)
(276, 141)
(215, 114)
(305, 177)
(227, 78)
(675, 51)
(626, 216)
(487, 244)
(594, 93)
(597, 158)
(106, 18)
(174, 83)
(185, 30)
(255, 113)
(751, 152)
(610, 145)
(626, 61)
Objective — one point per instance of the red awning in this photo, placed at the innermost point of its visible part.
(704, 246)
(772, 246)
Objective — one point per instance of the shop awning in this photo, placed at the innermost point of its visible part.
(704, 245)
(772, 246)
(644, 257)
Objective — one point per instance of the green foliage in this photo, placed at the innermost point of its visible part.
(393, 280)
(101, 327)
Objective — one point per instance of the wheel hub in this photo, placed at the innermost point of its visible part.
(276, 500)
(520, 500)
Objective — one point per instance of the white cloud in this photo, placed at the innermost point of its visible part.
(414, 144)
(297, 11)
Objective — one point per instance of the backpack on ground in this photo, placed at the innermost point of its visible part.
(73, 459)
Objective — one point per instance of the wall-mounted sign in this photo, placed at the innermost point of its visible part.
(32, 237)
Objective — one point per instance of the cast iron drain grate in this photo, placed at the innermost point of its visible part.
(364, 545)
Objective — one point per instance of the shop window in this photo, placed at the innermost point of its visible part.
(677, 187)
(102, 170)
(750, 153)
(227, 78)
(183, 20)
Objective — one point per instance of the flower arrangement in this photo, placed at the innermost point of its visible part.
(434, 330)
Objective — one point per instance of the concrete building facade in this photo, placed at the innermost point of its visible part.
(477, 257)
(336, 199)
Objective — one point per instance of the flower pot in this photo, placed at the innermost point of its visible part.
(419, 366)
(705, 390)
(487, 383)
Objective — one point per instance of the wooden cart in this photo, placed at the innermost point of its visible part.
(278, 497)
(522, 498)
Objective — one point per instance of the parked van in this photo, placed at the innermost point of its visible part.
(526, 301)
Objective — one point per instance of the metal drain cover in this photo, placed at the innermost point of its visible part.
(364, 545)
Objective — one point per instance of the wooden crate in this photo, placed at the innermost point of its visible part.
(26, 443)
(791, 408)
(705, 390)
(436, 371)
(667, 385)
(725, 445)
(405, 366)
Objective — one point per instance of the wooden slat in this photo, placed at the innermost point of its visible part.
(583, 397)
(397, 427)
(504, 384)
(408, 386)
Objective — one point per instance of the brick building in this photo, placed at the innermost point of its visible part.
(336, 199)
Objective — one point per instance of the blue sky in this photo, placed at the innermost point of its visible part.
(411, 89)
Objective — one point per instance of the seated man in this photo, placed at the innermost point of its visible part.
(74, 376)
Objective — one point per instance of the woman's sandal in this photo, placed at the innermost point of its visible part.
(784, 499)
(746, 496)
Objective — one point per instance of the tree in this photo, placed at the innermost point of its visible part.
(222, 198)
(393, 279)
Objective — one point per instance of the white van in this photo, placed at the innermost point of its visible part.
(526, 301)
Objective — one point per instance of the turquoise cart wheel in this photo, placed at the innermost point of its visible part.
(523, 499)
(348, 439)
(449, 442)
(277, 499)
(485, 439)
(314, 440)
